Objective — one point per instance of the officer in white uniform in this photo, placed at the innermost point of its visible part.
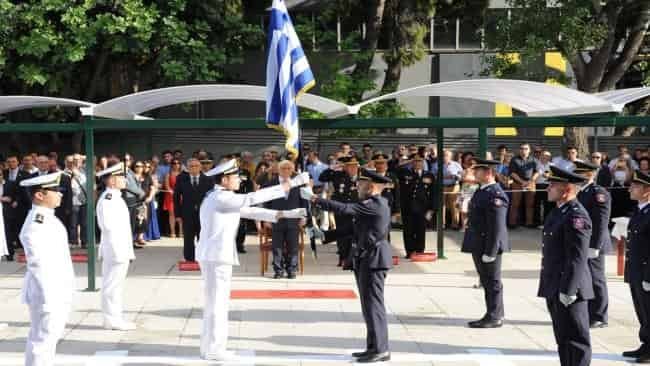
(116, 249)
(216, 251)
(49, 279)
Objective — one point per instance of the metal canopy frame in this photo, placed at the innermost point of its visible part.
(90, 125)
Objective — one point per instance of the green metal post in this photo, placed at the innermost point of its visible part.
(440, 228)
(90, 201)
(482, 141)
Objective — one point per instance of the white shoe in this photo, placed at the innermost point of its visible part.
(221, 356)
(120, 326)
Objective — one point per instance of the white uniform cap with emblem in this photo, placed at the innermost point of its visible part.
(116, 169)
(51, 180)
(227, 168)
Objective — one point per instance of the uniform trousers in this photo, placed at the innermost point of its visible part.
(370, 283)
(490, 277)
(216, 290)
(641, 300)
(571, 329)
(344, 245)
(113, 278)
(45, 330)
(599, 304)
(191, 230)
(285, 234)
(415, 229)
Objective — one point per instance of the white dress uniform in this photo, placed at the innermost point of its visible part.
(116, 252)
(49, 280)
(216, 251)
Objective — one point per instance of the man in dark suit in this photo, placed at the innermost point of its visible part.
(286, 231)
(11, 209)
(22, 195)
(603, 174)
(372, 260)
(565, 279)
(188, 194)
(637, 259)
(8, 212)
(486, 239)
(598, 203)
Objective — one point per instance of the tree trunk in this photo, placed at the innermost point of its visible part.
(374, 18)
(577, 137)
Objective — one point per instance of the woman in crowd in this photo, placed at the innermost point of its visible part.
(622, 173)
(468, 185)
(260, 172)
(644, 165)
(153, 231)
(141, 210)
(168, 201)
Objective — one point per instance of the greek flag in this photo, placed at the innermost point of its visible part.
(288, 76)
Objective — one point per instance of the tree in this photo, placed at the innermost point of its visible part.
(96, 50)
(599, 39)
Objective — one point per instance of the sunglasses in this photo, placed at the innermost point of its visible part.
(176, 163)
(596, 157)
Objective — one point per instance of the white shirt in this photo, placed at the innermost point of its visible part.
(113, 220)
(49, 279)
(13, 173)
(642, 205)
(219, 215)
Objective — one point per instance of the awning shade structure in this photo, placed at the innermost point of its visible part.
(131, 105)
(14, 103)
(622, 97)
(533, 98)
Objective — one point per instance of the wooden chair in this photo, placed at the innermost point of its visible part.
(264, 236)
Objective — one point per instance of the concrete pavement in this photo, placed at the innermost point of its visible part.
(429, 305)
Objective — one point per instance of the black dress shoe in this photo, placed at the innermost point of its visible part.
(597, 324)
(644, 358)
(291, 276)
(361, 354)
(10, 258)
(637, 352)
(374, 357)
(241, 251)
(277, 275)
(486, 323)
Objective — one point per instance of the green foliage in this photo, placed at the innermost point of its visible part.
(96, 49)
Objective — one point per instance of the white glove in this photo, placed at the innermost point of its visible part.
(646, 286)
(429, 215)
(593, 253)
(300, 180)
(567, 300)
(488, 259)
(296, 213)
(306, 193)
(315, 233)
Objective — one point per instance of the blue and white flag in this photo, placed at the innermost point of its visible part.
(288, 76)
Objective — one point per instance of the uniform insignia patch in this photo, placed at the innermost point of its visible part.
(600, 197)
(498, 202)
(39, 218)
(578, 223)
(108, 196)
